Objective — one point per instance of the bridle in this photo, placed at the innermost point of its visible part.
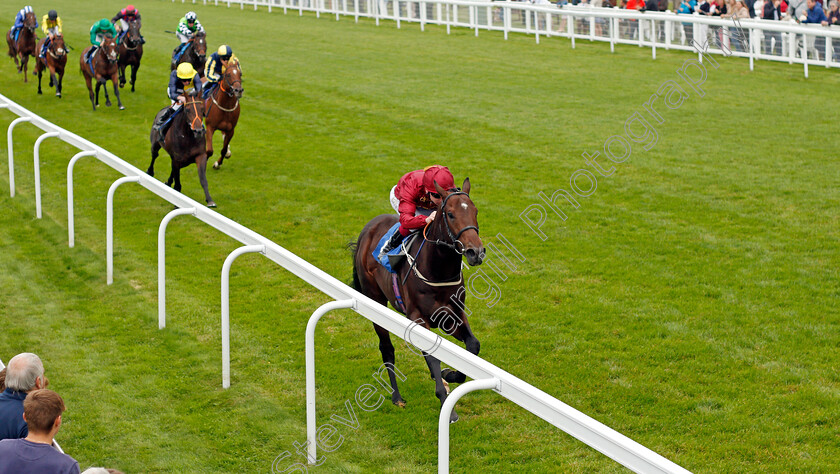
(197, 115)
(53, 44)
(127, 39)
(452, 236)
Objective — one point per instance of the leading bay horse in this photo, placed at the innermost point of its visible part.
(55, 60)
(432, 289)
(130, 53)
(105, 67)
(223, 110)
(184, 141)
(195, 54)
(25, 44)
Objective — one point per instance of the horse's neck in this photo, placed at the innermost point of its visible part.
(444, 262)
(221, 97)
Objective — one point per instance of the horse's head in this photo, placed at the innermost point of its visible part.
(29, 21)
(233, 80)
(200, 45)
(194, 112)
(109, 48)
(57, 47)
(134, 31)
(459, 217)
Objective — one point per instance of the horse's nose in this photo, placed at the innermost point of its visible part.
(474, 256)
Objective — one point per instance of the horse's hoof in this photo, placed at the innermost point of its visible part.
(216, 165)
(400, 403)
(211, 204)
(227, 155)
(107, 104)
(122, 107)
(58, 94)
(446, 386)
(39, 92)
(453, 418)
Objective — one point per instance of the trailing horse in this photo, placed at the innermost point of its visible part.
(184, 141)
(223, 110)
(130, 52)
(195, 53)
(55, 60)
(104, 63)
(24, 46)
(431, 286)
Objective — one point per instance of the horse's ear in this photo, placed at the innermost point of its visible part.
(441, 191)
(466, 187)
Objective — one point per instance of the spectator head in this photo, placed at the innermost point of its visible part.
(3, 379)
(25, 372)
(811, 4)
(42, 411)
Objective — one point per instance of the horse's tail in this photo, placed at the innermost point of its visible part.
(353, 247)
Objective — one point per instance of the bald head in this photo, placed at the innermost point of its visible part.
(25, 373)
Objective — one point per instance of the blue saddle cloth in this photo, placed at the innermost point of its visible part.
(17, 33)
(208, 89)
(179, 52)
(385, 238)
(89, 62)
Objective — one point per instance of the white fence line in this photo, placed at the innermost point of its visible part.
(595, 434)
(801, 44)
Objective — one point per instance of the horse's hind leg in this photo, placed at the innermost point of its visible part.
(155, 152)
(201, 163)
(105, 88)
(90, 91)
(39, 82)
(122, 74)
(387, 350)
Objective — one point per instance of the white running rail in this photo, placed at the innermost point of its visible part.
(597, 435)
(786, 41)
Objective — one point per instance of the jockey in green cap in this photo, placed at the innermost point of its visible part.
(97, 34)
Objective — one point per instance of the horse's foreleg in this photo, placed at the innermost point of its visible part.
(388, 359)
(208, 142)
(117, 92)
(122, 74)
(227, 136)
(98, 85)
(39, 82)
(105, 88)
(90, 91)
(201, 163)
(176, 175)
(24, 64)
(441, 389)
(58, 84)
(465, 334)
(134, 68)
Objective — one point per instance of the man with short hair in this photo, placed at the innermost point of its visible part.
(24, 374)
(35, 454)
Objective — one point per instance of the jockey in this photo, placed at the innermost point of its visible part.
(51, 24)
(416, 200)
(19, 18)
(121, 19)
(215, 68)
(97, 34)
(182, 81)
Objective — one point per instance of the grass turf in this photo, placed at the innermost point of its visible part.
(689, 303)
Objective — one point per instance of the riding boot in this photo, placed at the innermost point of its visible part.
(392, 243)
(162, 120)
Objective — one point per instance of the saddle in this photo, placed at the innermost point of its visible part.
(179, 51)
(395, 257)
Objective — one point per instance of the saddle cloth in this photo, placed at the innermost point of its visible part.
(395, 256)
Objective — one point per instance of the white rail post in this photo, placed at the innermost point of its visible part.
(37, 167)
(653, 37)
(506, 19)
(536, 25)
(311, 428)
(12, 153)
(397, 12)
(751, 48)
(804, 61)
(226, 306)
(571, 22)
(446, 411)
(109, 224)
(448, 22)
(422, 16)
(613, 29)
(70, 222)
(162, 261)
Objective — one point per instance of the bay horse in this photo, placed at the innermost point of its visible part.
(25, 44)
(55, 60)
(184, 141)
(105, 67)
(131, 50)
(223, 110)
(195, 54)
(432, 286)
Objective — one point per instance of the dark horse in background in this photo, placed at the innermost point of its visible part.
(55, 60)
(195, 54)
(105, 67)
(223, 110)
(25, 44)
(184, 141)
(130, 52)
(433, 288)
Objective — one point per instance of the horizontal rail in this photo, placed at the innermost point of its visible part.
(595, 434)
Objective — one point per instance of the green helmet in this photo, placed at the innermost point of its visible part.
(104, 24)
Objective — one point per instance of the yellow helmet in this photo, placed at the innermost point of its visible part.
(225, 52)
(185, 71)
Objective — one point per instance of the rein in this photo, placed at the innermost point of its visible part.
(454, 237)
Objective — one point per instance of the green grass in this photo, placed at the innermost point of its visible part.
(689, 303)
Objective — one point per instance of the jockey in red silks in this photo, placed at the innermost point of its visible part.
(416, 200)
